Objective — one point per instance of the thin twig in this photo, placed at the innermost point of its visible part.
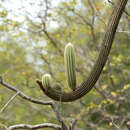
(10, 100)
(126, 32)
(22, 95)
(39, 126)
(118, 127)
(72, 124)
(100, 92)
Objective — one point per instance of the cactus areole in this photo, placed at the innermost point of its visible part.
(69, 58)
(90, 81)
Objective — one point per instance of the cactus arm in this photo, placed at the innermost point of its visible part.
(69, 57)
(46, 79)
(89, 83)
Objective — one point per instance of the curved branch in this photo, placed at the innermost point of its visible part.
(89, 83)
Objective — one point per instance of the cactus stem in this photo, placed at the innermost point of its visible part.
(69, 57)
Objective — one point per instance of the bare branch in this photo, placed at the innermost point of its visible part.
(46, 10)
(11, 99)
(93, 11)
(83, 19)
(98, 14)
(90, 24)
(52, 41)
(3, 126)
(72, 124)
(100, 92)
(125, 32)
(109, 1)
(22, 95)
(53, 106)
(118, 127)
(39, 126)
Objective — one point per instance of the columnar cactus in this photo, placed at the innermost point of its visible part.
(69, 57)
(46, 79)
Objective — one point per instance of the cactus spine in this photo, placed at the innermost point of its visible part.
(46, 79)
(69, 57)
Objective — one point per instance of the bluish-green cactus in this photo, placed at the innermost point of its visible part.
(46, 80)
(69, 57)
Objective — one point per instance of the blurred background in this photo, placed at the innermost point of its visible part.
(33, 35)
